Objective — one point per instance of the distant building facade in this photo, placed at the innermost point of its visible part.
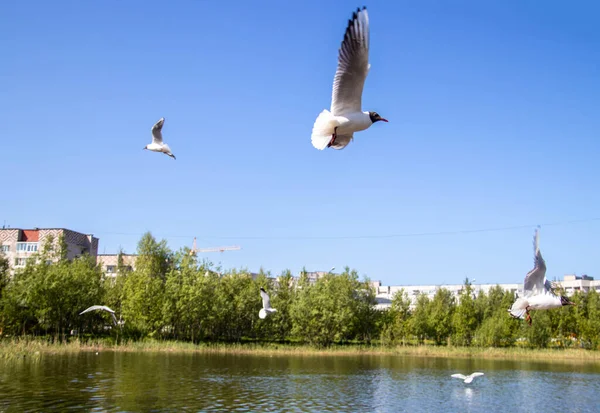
(109, 263)
(18, 245)
(385, 294)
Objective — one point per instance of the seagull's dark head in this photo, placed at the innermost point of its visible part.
(376, 118)
(262, 289)
(565, 301)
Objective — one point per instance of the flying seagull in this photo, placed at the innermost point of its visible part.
(538, 292)
(266, 304)
(157, 144)
(335, 128)
(467, 379)
(101, 307)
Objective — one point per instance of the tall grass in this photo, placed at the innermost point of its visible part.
(34, 348)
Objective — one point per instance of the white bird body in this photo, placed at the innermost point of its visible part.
(267, 309)
(335, 128)
(544, 302)
(469, 378)
(157, 144)
(538, 291)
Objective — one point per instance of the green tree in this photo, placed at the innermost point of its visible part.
(419, 323)
(144, 288)
(236, 306)
(464, 321)
(279, 324)
(114, 286)
(398, 327)
(4, 272)
(327, 311)
(589, 320)
(48, 296)
(441, 311)
(540, 332)
(365, 315)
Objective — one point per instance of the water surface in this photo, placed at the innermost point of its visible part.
(195, 382)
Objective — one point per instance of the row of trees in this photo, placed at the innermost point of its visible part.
(172, 295)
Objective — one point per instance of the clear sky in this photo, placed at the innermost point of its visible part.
(493, 123)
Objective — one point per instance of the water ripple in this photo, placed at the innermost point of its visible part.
(117, 382)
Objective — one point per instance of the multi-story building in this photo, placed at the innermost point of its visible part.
(572, 283)
(18, 245)
(109, 262)
(385, 294)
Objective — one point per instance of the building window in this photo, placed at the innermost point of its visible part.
(110, 269)
(27, 246)
(5, 248)
(20, 262)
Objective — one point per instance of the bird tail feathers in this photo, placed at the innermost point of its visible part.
(519, 308)
(323, 129)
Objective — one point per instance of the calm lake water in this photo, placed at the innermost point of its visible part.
(160, 382)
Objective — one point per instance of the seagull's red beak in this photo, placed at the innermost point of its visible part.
(383, 119)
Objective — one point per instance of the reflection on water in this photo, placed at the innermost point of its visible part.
(218, 383)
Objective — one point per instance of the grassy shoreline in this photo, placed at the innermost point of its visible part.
(34, 348)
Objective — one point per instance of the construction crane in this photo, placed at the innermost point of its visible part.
(195, 250)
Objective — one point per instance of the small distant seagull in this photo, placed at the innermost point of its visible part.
(157, 144)
(101, 307)
(266, 304)
(335, 129)
(467, 379)
(538, 292)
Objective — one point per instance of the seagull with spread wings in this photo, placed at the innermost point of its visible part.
(336, 128)
(104, 308)
(467, 379)
(267, 309)
(157, 144)
(538, 292)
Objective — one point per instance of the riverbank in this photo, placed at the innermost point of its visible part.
(35, 348)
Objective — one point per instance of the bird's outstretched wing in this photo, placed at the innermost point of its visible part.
(353, 65)
(97, 307)
(265, 299)
(535, 279)
(476, 374)
(104, 308)
(459, 376)
(157, 131)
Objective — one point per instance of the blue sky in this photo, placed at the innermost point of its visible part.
(493, 112)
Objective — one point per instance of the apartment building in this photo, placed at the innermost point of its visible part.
(18, 244)
(109, 262)
(385, 293)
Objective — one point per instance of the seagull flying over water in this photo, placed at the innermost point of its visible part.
(101, 307)
(266, 304)
(335, 128)
(157, 144)
(467, 379)
(538, 292)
